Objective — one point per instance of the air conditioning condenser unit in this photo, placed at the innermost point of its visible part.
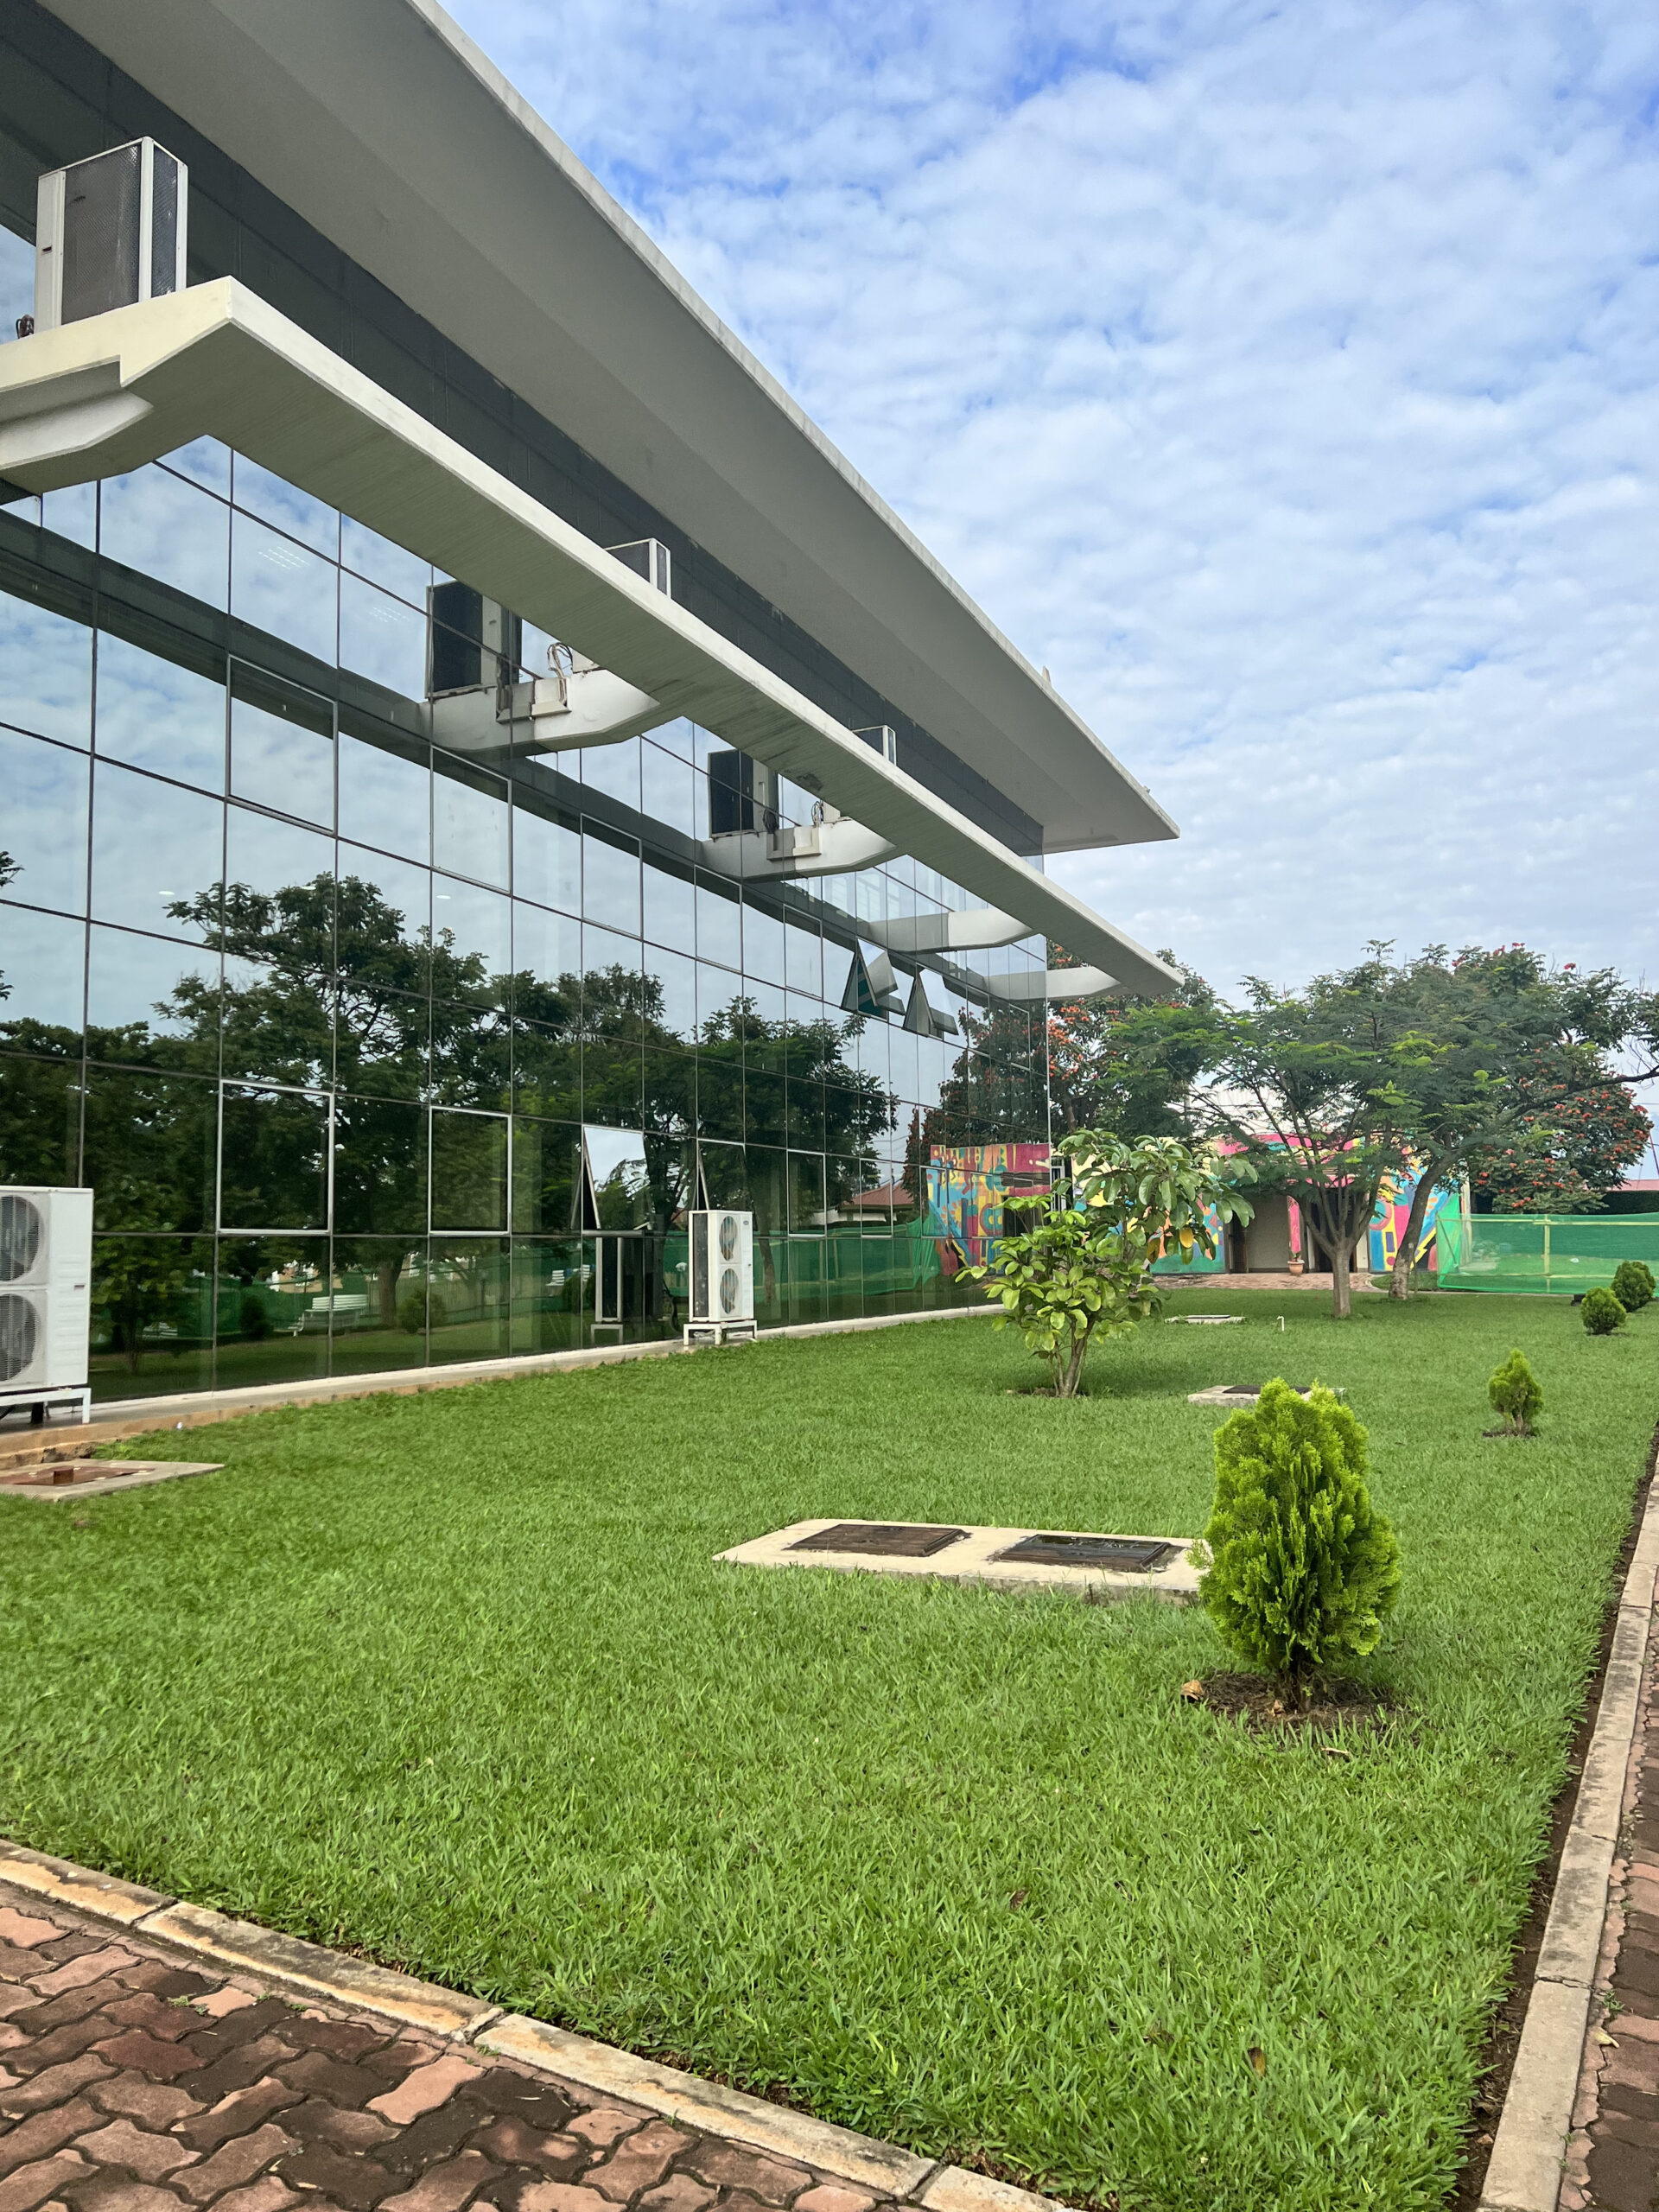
(46, 1278)
(109, 232)
(721, 1302)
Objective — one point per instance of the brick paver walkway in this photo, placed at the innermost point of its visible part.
(130, 2083)
(1613, 2159)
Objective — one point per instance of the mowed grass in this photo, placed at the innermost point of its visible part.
(455, 1679)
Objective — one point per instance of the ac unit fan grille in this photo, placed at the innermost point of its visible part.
(22, 1233)
(20, 1335)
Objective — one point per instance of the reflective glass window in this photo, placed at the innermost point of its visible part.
(270, 857)
(469, 1299)
(612, 985)
(148, 988)
(383, 563)
(805, 1192)
(154, 714)
(804, 958)
(378, 1317)
(281, 746)
(670, 1090)
(613, 769)
(546, 1070)
(671, 996)
(71, 512)
(285, 506)
(552, 1291)
(155, 847)
(43, 826)
(284, 588)
(205, 461)
(274, 1159)
(379, 1165)
(45, 672)
(386, 905)
(385, 792)
(668, 790)
(39, 1118)
(765, 1001)
(151, 1147)
(763, 943)
(277, 1012)
(612, 1084)
(472, 940)
(545, 1169)
(469, 1170)
(545, 946)
(274, 1300)
(718, 994)
(382, 639)
(677, 737)
(903, 1073)
(152, 1318)
(546, 858)
(472, 1055)
(671, 909)
(720, 928)
(42, 959)
(155, 523)
(471, 825)
(610, 879)
(382, 1040)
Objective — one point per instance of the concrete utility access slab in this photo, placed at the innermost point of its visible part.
(1247, 1394)
(987, 1556)
(93, 1478)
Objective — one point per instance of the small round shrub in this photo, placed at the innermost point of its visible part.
(1633, 1285)
(1602, 1313)
(411, 1312)
(1302, 1569)
(1516, 1394)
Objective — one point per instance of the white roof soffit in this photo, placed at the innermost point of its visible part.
(100, 397)
(384, 126)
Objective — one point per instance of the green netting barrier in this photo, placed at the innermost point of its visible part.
(1552, 1254)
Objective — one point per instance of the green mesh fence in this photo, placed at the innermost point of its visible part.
(1551, 1253)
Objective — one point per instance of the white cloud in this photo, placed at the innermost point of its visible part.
(1286, 379)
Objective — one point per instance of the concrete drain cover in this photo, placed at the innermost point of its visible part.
(1206, 1321)
(888, 1538)
(1119, 1554)
(1246, 1393)
(93, 1478)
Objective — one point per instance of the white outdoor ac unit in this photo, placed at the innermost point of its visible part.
(108, 232)
(46, 1273)
(722, 1271)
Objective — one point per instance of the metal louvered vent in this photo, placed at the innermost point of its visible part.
(102, 214)
(20, 1334)
(164, 225)
(22, 1233)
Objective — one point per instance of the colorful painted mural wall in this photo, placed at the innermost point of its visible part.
(967, 1188)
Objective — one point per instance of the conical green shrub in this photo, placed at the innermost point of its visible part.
(1602, 1313)
(1303, 1570)
(1633, 1285)
(1516, 1393)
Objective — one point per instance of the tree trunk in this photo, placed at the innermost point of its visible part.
(1341, 1254)
(1405, 1251)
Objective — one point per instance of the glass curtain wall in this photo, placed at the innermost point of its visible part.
(319, 1007)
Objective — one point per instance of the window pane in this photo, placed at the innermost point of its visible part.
(546, 1071)
(274, 1165)
(383, 563)
(804, 959)
(471, 941)
(139, 988)
(153, 714)
(284, 589)
(612, 986)
(469, 1171)
(386, 794)
(613, 769)
(381, 1040)
(720, 935)
(671, 909)
(545, 946)
(384, 910)
(668, 793)
(40, 1120)
(284, 504)
(471, 825)
(610, 880)
(46, 671)
(281, 746)
(763, 945)
(544, 1176)
(71, 512)
(546, 859)
(42, 959)
(165, 528)
(272, 1319)
(43, 822)
(379, 1165)
(155, 847)
(150, 1147)
(152, 1315)
(805, 1192)
(269, 857)
(382, 639)
(471, 1056)
(378, 1316)
(552, 1297)
(205, 461)
(670, 997)
(677, 737)
(469, 1299)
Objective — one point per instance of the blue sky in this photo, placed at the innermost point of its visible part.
(1285, 378)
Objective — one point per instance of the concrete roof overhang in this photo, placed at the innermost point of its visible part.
(385, 127)
(101, 397)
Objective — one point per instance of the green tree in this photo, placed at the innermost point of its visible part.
(1633, 1285)
(1126, 1063)
(1515, 1392)
(1602, 1313)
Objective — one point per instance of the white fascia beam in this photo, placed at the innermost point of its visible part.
(108, 394)
(1053, 983)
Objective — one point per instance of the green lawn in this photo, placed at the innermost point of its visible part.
(453, 1679)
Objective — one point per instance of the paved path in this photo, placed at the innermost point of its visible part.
(130, 2083)
(1613, 2158)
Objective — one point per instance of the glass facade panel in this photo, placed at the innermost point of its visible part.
(614, 770)
(546, 856)
(380, 1162)
(469, 1170)
(154, 522)
(150, 1143)
(385, 791)
(610, 879)
(381, 638)
(671, 908)
(154, 714)
(368, 554)
(142, 991)
(471, 826)
(284, 505)
(284, 588)
(546, 947)
(471, 933)
(43, 960)
(720, 924)
(275, 1158)
(281, 746)
(152, 1318)
(157, 853)
(377, 1309)
(45, 672)
(469, 1299)
(273, 1302)
(44, 823)
(669, 790)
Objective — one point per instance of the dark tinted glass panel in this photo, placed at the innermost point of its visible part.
(386, 793)
(151, 1141)
(720, 928)
(766, 1120)
(720, 1097)
(804, 959)
(381, 1039)
(155, 523)
(281, 746)
(613, 985)
(552, 1294)
(384, 913)
(275, 1169)
(472, 1055)
(804, 1122)
(41, 960)
(142, 991)
(40, 1120)
(379, 1166)
(285, 506)
(469, 1171)
(472, 940)
(154, 714)
(284, 588)
(614, 770)
(277, 1013)
(610, 880)
(544, 1168)
(670, 1090)
(273, 1309)
(271, 858)
(547, 1072)
(45, 672)
(469, 1299)
(43, 825)
(378, 1309)
(611, 1084)
(546, 860)
(763, 945)
(670, 997)
(471, 825)
(382, 638)
(545, 945)
(152, 1320)
(805, 1192)
(671, 909)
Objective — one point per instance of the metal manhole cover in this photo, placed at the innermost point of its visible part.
(889, 1541)
(1122, 1554)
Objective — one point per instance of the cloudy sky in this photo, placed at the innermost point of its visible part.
(1284, 377)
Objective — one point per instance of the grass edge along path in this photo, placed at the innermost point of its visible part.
(454, 1681)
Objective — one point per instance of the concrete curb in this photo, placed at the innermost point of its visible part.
(1529, 2147)
(193, 1408)
(310, 1970)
